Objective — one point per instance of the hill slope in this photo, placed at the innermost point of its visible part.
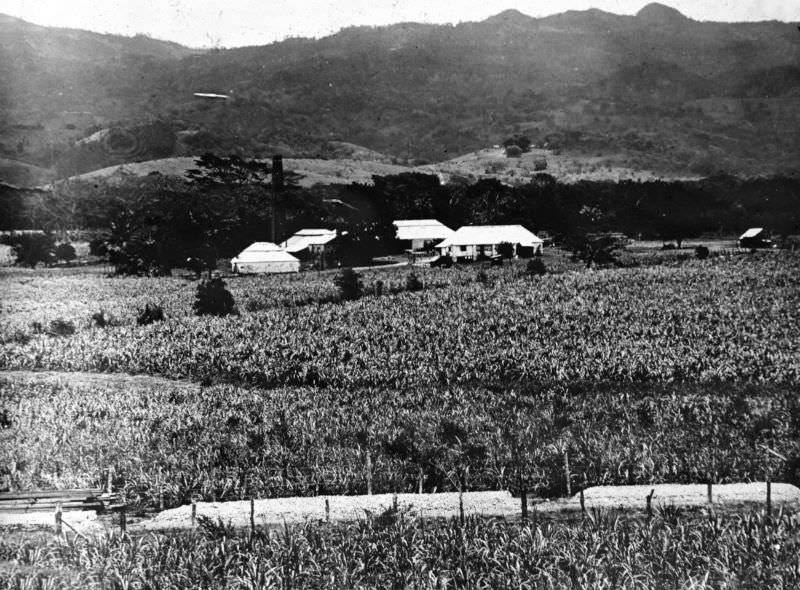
(657, 90)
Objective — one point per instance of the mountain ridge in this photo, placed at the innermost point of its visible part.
(668, 92)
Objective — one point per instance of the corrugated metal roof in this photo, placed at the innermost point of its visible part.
(261, 247)
(421, 229)
(476, 235)
(309, 237)
(751, 233)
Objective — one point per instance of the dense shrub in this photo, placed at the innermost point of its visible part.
(100, 319)
(413, 283)
(522, 142)
(31, 249)
(513, 151)
(59, 327)
(348, 282)
(482, 277)
(65, 251)
(701, 252)
(536, 267)
(213, 298)
(151, 313)
(445, 261)
(98, 246)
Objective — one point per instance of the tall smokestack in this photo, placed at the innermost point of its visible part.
(277, 186)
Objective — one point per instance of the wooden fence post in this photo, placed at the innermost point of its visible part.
(461, 505)
(394, 502)
(123, 524)
(769, 497)
(58, 519)
(523, 499)
(566, 473)
(709, 492)
(369, 473)
(327, 510)
(194, 512)
(252, 517)
(650, 502)
(583, 505)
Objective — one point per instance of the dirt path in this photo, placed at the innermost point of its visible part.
(274, 512)
(108, 380)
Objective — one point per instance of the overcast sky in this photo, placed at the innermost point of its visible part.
(232, 23)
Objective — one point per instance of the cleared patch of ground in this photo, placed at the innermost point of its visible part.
(275, 512)
(106, 380)
(313, 171)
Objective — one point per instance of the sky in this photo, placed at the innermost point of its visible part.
(234, 23)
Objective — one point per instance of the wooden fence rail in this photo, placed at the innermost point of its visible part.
(49, 500)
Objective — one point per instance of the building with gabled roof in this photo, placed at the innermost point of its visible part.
(264, 257)
(420, 234)
(755, 237)
(474, 241)
(309, 241)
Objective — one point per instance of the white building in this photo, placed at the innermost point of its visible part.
(264, 257)
(309, 241)
(473, 241)
(420, 234)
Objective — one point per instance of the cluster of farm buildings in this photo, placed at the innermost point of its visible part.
(470, 242)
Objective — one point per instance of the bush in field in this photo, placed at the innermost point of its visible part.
(348, 282)
(513, 151)
(521, 142)
(482, 277)
(213, 298)
(413, 283)
(98, 246)
(536, 267)
(32, 249)
(59, 327)
(151, 313)
(65, 251)
(102, 319)
(701, 252)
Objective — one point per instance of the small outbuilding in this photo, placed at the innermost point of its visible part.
(264, 258)
(476, 241)
(421, 234)
(755, 237)
(309, 242)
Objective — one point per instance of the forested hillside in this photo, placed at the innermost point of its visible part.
(656, 90)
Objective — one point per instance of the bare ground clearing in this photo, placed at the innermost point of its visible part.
(85, 379)
(275, 512)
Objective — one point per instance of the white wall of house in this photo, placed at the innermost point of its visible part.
(269, 267)
(472, 251)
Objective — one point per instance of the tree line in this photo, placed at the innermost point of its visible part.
(154, 223)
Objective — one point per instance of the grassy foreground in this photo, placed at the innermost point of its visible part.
(751, 551)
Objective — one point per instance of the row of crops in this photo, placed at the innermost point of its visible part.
(723, 320)
(169, 444)
(667, 551)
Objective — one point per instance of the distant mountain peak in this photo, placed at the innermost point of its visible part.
(660, 14)
(510, 15)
